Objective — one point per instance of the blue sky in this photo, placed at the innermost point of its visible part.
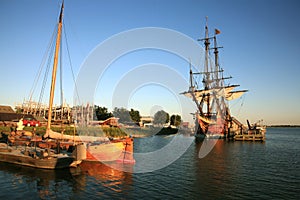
(260, 40)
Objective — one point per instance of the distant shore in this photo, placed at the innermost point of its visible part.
(114, 132)
(291, 126)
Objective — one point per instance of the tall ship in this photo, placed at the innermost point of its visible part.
(211, 94)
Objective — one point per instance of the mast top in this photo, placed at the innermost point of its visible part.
(61, 12)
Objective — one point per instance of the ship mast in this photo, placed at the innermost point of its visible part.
(216, 52)
(206, 80)
(192, 90)
(206, 70)
(216, 61)
(54, 70)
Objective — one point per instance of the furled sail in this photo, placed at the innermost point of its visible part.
(197, 93)
(235, 94)
(55, 135)
(218, 92)
(205, 119)
(229, 88)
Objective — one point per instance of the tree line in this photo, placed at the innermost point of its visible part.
(133, 116)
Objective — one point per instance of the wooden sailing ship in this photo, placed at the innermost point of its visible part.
(213, 117)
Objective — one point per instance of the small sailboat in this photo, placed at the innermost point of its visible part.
(35, 156)
(213, 117)
(45, 153)
(98, 148)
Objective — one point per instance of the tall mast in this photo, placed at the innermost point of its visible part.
(206, 80)
(61, 84)
(57, 47)
(192, 89)
(216, 61)
(216, 52)
(206, 70)
(191, 77)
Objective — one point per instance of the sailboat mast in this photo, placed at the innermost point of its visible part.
(54, 70)
(61, 85)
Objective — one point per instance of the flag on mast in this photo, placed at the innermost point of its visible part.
(217, 31)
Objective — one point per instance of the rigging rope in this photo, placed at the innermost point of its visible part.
(242, 100)
(37, 77)
(71, 66)
(46, 72)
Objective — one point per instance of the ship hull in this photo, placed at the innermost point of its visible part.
(105, 152)
(51, 162)
(215, 130)
(119, 150)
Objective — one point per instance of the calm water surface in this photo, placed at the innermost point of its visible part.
(232, 170)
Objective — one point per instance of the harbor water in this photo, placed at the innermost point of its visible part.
(232, 170)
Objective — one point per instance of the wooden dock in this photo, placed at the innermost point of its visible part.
(250, 137)
(256, 133)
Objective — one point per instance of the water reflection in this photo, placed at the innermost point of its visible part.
(37, 183)
(211, 170)
(87, 180)
(227, 168)
(232, 170)
(105, 175)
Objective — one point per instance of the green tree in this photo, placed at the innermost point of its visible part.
(102, 113)
(18, 110)
(161, 117)
(175, 120)
(135, 115)
(122, 114)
